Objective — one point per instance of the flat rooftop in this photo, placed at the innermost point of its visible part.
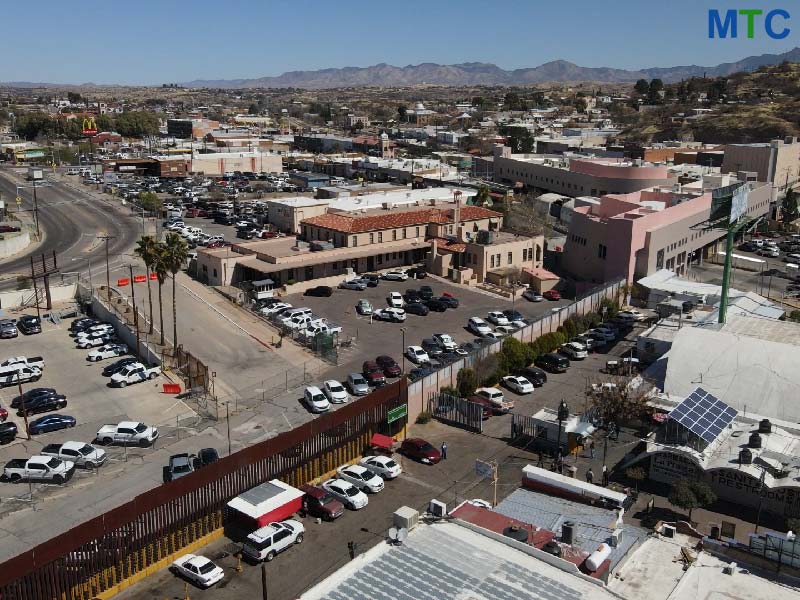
(445, 561)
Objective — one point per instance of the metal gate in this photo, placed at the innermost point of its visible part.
(456, 411)
(527, 434)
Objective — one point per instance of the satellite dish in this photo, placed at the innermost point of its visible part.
(402, 534)
(393, 534)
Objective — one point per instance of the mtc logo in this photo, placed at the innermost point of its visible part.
(728, 26)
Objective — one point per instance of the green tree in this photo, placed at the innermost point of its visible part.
(515, 355)
(789, 209)
(175, 252)
(642, 87)
(74, 97)
(137, 123)
(402, 111)
(467, 382)
(637, 474)
(580, 105)
(147, 250)
(689, 495)
(512, 101)
(520, 139)
(150, 201)
(482, 197)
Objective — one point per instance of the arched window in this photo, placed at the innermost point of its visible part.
(538, 253)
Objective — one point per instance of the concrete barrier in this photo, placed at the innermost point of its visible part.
(20, 298)
(13, 243)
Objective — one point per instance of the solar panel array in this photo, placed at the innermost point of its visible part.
(437, 566)
(703, 414)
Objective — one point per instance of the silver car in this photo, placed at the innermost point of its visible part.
(357, 384)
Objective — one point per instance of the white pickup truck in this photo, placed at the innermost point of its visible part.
(82, 454)
(134, 373)
(16, 374)
(40, 468)
(496, 397)
(315, 329)
(127, 432)
(24, 361)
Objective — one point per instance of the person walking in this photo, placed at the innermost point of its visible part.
(591, 449)
(444, 451)
(589, 476)
(605, 476)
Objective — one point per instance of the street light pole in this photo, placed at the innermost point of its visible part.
(135, 315)
(35, 209)
(563, 415)
(403, 347)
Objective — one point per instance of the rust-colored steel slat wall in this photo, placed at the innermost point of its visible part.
(102, 552)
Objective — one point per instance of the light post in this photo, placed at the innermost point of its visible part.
(403, 347)
(563, 415)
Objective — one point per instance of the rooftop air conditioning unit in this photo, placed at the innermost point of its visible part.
(668, 531)
(405, 517)
(437, 509)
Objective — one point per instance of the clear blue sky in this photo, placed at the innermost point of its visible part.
(152, 42)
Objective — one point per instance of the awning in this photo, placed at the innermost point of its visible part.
(261, 282)
(382, 441)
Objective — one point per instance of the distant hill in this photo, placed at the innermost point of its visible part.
(476, 73)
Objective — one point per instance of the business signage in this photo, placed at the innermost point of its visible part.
(397, 413)
(89, 127)
(728, 204)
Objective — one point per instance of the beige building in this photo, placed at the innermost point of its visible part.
(777, 162)
(496, 257)
(285, 214)
(217, 164)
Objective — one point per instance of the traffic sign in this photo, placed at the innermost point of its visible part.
(397, 413)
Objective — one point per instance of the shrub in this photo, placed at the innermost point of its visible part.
(515, 355)
(569, 328)
(450, 390)
(290, 282)
(423, 417)
(467, 382)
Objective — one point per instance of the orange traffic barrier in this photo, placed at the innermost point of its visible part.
(123, 282)
(172, 388)
(153, 276)
(139, 278)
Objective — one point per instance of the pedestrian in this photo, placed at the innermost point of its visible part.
(589, 476)
(605, 476)
(444, 451)
(591, 449)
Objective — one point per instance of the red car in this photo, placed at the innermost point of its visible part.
(420, 450)
(389, 366)
(552, 295)
(3, 414)
(373, 373)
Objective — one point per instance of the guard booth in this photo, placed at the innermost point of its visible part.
(263, 288)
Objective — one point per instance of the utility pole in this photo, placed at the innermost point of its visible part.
(24, 407)
(105, 238)
(135, 315)
(264, 581)
(35, 209)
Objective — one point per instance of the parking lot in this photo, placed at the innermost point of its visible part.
(372, 337)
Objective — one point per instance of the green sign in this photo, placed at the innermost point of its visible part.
(397, 413)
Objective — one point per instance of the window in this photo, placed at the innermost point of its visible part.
(380, 259)
(355, 241)
(215, 272)
(394, 255)
(510, 257)
(394, 235)
(601, 251)
(660, 259)
(491, 262)
(371, 238)
(497, 259)
(405, 233)
(417, 234)
(380, 237)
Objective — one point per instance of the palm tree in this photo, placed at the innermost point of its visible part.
(147, 250)
(161, 269)
(174, 254)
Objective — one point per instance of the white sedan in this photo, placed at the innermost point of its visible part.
(497, 318)
(394, 276)
(348, 494)
(395, 315)
(198, 569)
(417, 355)
(520, 385)
(630, 315)
(395, 300)
(361, 477)
(94, 340)
(384, 466)
(107, 351)
(335, 392)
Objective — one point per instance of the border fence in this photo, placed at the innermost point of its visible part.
(456, 411)
(127, 542)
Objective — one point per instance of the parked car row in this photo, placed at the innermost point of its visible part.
(26, 324)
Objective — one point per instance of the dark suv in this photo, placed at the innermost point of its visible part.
(535, 375)
(555, 363)
(29, 324)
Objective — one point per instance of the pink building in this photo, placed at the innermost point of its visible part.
(633, 235)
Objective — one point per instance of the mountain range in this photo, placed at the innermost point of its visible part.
(477, 73)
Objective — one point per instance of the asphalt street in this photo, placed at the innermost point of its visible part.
(71, 217)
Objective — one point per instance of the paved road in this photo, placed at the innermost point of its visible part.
(70, 218)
